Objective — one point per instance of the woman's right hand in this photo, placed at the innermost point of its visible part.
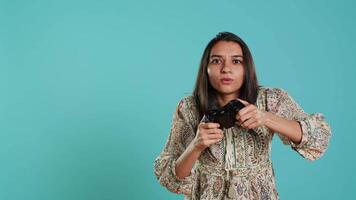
(207, 133)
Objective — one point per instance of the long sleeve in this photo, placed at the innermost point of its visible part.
(164, 164)
(316, 132)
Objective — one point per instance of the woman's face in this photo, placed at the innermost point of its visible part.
(225, 68)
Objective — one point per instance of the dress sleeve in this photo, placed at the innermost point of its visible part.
(316, 132)
(164, 164)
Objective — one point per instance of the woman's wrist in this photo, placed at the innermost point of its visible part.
(195, 148)
(268, 122)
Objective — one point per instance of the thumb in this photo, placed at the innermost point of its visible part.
(243, 101)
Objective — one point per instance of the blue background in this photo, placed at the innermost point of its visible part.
(88, 90)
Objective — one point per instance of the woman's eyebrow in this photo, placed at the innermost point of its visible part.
(219, 56)
(215, 56)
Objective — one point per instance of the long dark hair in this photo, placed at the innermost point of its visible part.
(205, 94)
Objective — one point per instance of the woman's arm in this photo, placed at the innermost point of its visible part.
(251, 117)
(185, 162)
(164, 164)
(308, 134)
(207, 134)
(288, 128)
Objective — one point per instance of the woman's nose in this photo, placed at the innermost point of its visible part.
(225, 68)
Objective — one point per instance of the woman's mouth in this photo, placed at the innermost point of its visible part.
(226, 81)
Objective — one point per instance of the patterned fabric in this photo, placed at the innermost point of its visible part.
(249, 174)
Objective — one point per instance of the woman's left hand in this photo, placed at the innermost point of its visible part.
(250, 116)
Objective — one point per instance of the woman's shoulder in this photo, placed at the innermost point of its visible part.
(188, 106)
(275, 97)
(188, 101)
(272, 92)
(272, 95)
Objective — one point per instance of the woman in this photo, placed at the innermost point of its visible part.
(203, 161)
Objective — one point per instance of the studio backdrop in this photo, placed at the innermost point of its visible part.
(89, 88)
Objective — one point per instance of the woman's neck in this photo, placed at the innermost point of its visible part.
(226, 98)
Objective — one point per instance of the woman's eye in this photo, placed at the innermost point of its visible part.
(215, 61)
(237, 61)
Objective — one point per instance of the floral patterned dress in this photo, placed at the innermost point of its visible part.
(239, 166)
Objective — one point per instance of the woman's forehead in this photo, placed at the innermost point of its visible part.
(226, 48)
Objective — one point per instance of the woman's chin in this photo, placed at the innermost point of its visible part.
(227, 92)
(226, 89)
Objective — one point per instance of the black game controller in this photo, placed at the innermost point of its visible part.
(226, 115)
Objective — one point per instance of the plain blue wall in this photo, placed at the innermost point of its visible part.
(88, 89)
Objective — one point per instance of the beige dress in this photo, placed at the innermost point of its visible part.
(239, 166)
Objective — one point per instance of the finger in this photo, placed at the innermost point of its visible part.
(238, 122)
(246, 109)
(253, 125)
(203, 124)
(215, 136)
(244, 102)
(248, 122)
(213, 131)
(212, 141)
(210, 125)
(247, 116)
